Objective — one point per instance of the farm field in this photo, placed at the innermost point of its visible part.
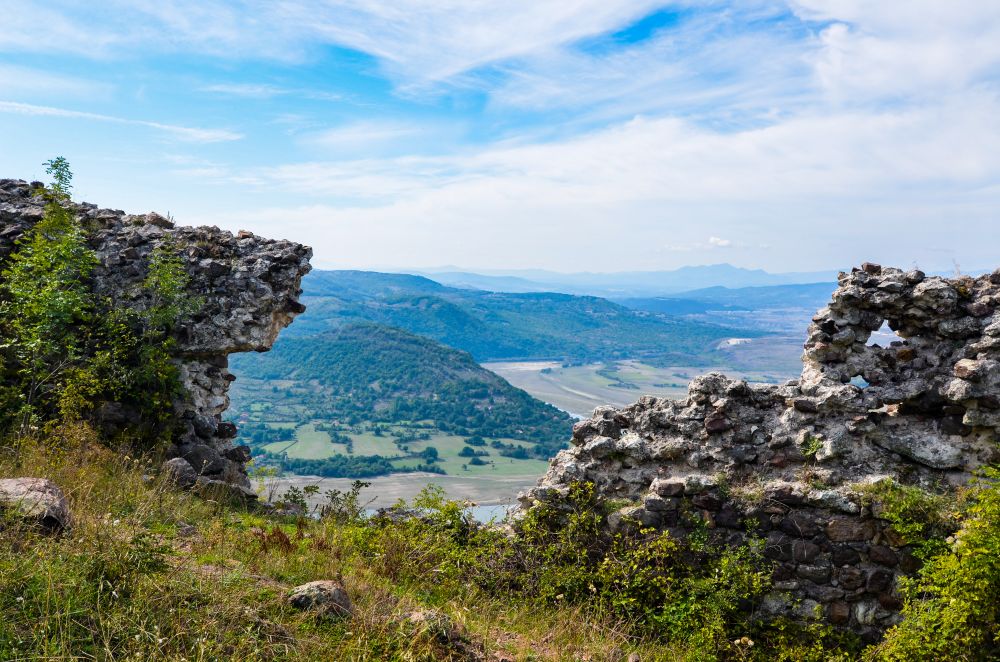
(312, 444)
(578, 389)
(386, 490)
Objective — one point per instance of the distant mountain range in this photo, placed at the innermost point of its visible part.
(502, 325)
(808, 296)
(626, 284)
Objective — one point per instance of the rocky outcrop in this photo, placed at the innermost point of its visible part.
(787, 462)
(248, 286)
(326, 597)
(35, 500)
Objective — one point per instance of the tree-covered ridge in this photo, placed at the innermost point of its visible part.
(504, 326)
(373, 373)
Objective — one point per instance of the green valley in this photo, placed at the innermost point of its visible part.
(500, 326)
(364, 400)
(380, 375)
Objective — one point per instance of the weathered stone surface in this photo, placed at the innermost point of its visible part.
(788, 459)
(843, 529)
(430, 622)
(926, 448)
(180, 472)
(224, 490)
(838, 613)
(883, 555)
(249, 287)
(36, 500)
(327, 597)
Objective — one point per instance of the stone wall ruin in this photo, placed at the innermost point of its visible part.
(249, 288)
(926, 413)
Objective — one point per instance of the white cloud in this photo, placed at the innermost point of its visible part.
(817, 190)
(366, 137)
(266, 91)
(31, 82)
(184, 133)
(950, 147)
(859, 127)
(245, 90)
(699, 66)
(418, 39)
(873, 51)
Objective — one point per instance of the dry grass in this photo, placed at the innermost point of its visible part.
(123, 584)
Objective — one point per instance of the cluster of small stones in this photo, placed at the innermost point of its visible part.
(248, 288)
(785, 463)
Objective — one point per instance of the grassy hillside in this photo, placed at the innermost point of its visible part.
(365, 391)
(152, 573)
(503, 326)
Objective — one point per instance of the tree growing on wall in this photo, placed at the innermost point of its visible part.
(46, 302)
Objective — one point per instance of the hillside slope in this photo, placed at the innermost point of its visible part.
(366, 374)
(503, 326)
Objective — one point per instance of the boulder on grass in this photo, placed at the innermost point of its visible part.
(326, 597)
(220, 490)
(35, 500)
(431, 623)
(180, 472)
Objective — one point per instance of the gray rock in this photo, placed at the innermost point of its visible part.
(787, 458)
(430, 623)
(326, 597)
(35, 500)
(926, 448)
(179, 472)
(220, 490)
(203, 459)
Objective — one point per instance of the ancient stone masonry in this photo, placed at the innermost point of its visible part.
(785, 463)
(248, 286)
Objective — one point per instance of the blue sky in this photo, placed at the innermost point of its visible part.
(599, 135)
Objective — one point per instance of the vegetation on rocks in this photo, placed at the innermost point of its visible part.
(66, 352)
(952, 607)
(150, 572)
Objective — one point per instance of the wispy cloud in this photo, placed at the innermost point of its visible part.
(184, 133)
(817, 181)
(872, 51)
(246, 90)
(265, 91)
(818, 129)
(33, 82)
(416, 39)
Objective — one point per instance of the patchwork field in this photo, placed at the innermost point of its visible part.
(578, 389)
(483, 490)
(312, 444)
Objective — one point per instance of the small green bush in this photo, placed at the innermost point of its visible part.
(924, 519)
(951, 609)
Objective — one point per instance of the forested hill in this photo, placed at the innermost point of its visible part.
(372, 373)
(504, 326)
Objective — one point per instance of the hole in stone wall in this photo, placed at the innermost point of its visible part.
(884, 337)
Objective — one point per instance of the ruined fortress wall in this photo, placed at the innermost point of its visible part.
(249, 287)
(785, 462)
